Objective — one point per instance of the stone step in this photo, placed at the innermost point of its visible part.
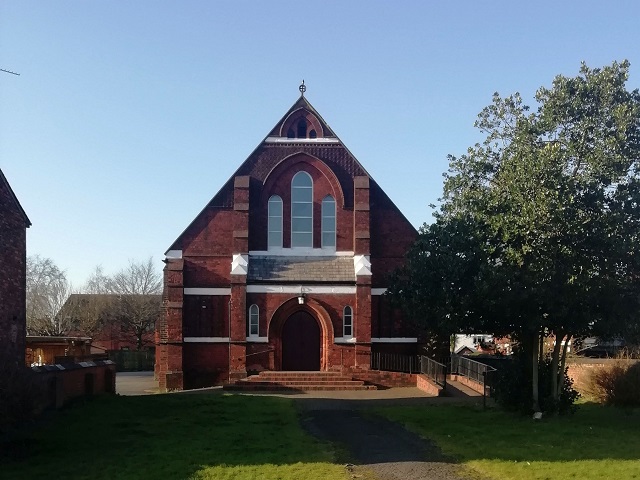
(250, 387)
(298, 381)
(270, 373)
(306, 378)
(295, 383)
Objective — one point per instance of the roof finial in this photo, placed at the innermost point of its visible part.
(302, 89)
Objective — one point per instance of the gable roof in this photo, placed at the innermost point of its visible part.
(302, 104)
(275, 147)
(4, 185)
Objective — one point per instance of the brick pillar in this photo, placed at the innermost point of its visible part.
(239, 268)
(362, 265)
(169, 333)
(361, 222)
(238, 334)
(241, 215)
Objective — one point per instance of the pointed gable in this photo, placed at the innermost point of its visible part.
(302, 121)
(9, 204)
(300, 132)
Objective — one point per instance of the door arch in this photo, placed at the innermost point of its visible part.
(317, 313)
(301, 342)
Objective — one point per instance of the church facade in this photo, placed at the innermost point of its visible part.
(286, 267)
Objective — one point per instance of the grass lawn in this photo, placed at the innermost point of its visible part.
(595, 443)
(173, 437)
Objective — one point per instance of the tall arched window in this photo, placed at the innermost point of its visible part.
(347, 322)
(302, 210)
(328, 222)
(254, 321)
(274, 239)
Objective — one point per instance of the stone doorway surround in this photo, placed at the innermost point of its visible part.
(317, 312)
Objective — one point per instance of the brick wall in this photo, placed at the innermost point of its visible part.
(12, 274)
(61, 385)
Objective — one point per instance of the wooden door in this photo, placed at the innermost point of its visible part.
(301, 343)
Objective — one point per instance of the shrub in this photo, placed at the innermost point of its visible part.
(513, 385)
(616, 384)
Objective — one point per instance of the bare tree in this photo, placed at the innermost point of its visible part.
(97, 283)
(47, 291)
(138, 278)
(138, 287)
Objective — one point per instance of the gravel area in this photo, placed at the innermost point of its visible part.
(376, 447)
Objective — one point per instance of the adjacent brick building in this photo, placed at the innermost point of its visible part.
(285, 268)
(13, 261)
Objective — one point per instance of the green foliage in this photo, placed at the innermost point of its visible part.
(513, 384)
(555, 193)
(539, 229)
(617, 384)
(436, 286)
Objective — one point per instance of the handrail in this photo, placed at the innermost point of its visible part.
(436, 371)
(262, 351)
(394, 362)
(478, 372)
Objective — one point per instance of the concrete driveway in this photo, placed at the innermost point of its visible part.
(136, 383)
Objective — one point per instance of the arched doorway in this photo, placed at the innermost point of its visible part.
(301, 342)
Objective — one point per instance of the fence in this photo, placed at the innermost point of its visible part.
(473, 370)
(395, 362)
(132, 360)
(434, 370)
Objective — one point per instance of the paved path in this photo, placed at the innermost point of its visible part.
(376, 445)
(136, 383)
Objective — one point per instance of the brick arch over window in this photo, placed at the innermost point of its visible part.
(290, 124)
(317, 311)
(308, 163)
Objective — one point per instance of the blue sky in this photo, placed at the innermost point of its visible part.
(127, 117)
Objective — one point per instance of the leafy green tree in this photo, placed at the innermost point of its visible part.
(436, 286)
(553, 201)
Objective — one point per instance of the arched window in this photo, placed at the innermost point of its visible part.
(274, 227)
(347, 322)
(254, 321)
(313, 134)
(328, 222)
(302, 128)
(302, 210)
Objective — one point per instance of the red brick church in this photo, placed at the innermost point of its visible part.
(286, 267)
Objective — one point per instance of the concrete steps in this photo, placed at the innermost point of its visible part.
(298, 382)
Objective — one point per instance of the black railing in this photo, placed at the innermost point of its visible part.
(473, 370)
(434, 370)
(395, 362)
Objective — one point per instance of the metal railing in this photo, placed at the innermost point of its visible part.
(434, 370)
(473, 370)
(395, 362)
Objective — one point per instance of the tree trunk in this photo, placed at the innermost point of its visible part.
(534, 372)
(555, 359)
(562, 365)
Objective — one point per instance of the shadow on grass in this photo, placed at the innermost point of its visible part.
(165, 436)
